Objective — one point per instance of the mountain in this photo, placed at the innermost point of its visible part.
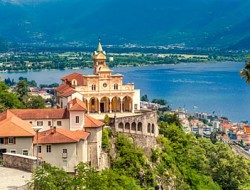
(196, 23)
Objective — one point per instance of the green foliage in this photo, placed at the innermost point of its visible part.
(8, 99)
(22, 88)
(159, 101)
(3, 86)
(35, 102)
(106, 120)
(170, 119)
(245, 73)
(155, 155)
(131, 161)
(53, 85)
(105, 140)
(198, 163)
(180, 161)
(49, 177)
(144, 98)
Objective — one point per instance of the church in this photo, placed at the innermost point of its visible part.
(72, 133)
(103, 92)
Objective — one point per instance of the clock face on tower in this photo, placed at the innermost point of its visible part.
(104, 85)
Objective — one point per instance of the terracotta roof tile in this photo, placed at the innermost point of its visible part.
(77, 105)
(78, 77)
(12, 126)
(227, 125)
(92, 122)
(57, 135)
(41, 113)
(62, 88)
(247, 129)
(67, 92)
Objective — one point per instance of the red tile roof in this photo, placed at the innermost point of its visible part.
(12, 126)
(227, 125)
(92, 122)
(57, 135)
(78, 77)
(41, 113)
(77, 105)
(247, 129)
(67, 92)
(62, 87)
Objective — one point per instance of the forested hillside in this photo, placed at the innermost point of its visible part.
(179, 161)
(196, 23)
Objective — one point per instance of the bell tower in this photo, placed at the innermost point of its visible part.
(99, 57)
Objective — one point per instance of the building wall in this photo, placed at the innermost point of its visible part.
(21, 143)
(94, 145)
(82, 151)
(73, 125)
(137, 99)
(55, 157)
(148, 121)
(45, 126)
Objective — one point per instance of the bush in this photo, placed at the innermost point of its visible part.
(105, 139)
(106, 120)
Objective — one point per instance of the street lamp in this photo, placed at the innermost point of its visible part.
(37, 129)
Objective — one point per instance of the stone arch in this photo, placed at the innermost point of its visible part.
(104, 104)
(127, 104)
(116, 104)
(127, 126)
(153, 128)
(93, 105)
(133, 126)
(120, 126)
(149, 128)
(139, 126)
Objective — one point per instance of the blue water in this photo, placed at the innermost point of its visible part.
(211, 87)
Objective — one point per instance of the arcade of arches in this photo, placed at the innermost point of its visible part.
(109, 105)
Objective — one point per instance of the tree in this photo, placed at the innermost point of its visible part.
(50, 177)
(22, 88)
(35, 102)
(8, 99)
(144, 98)
(159, 101)
(245, 73)
(106, 120)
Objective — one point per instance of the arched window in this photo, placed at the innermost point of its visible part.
(115, 86)
(149, 128)
(133, 127)
(120, 126)
(153, 128)
(93, 87)
(74, 82)
(93, 102)
(139, 126)
(127, 126)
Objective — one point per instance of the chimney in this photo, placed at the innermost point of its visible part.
(53, 130)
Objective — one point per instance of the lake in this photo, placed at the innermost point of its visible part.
(210, 87)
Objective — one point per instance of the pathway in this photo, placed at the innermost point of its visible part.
(13, 179)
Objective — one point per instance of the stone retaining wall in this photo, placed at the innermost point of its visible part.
(21, 162)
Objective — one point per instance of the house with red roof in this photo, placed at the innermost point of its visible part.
(63, 148)
(16, 135)
(68, 136)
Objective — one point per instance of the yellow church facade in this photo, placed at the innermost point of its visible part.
(103, 92)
